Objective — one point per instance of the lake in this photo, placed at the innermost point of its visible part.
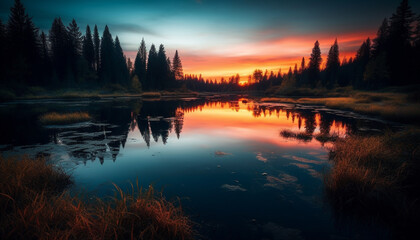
(227, 159)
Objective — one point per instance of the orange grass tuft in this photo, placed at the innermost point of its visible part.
(33, 205)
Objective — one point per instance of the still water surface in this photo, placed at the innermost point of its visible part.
(225, 158)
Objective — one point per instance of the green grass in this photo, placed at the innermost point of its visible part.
(64, 118)
(376, 177)
(35, 205)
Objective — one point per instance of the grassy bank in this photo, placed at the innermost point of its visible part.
(35, 205)
(64, 118)
(376, 177)
(393, 106)
(28, 93)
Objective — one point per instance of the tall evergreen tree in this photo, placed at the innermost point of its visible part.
(152, 63)
(2, 52)
(177, 67)
(314, 64)
(45, 61)
(22, 46)
(88, 48)
(380, 43)
(96, 44)
(59, 50)
(332, 67)
(107, 53)
(163, 69)
(121, 70)
(400, 54)
(140, 63)
(302, 65)
(75, 39)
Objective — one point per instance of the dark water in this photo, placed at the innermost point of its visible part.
(237, 177)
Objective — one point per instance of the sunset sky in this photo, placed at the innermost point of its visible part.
(220, 37)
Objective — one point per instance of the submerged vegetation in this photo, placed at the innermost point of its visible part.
(377, 177)
(34, 205)
(64, 118)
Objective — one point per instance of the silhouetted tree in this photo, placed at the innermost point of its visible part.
(380, 43)
(257, 76)
(177, 67)
(314, 65)
(302, 65)
(152, 64)
(129, 66)
(362, 58)
(400, 53)
(333, 65)
(96, 44)
(59, 50)
(140, 63)
(107, 53)
(163, 69)
(88, 48)
(22, 46)
(120, 67)
(45, 61)
(2, 53)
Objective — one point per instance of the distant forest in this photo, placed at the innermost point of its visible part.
(391, 59)
(65, 59)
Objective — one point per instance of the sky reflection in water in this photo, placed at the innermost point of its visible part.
(237, 177)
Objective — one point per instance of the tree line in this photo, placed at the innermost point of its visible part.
(65, 58)
(391, 59)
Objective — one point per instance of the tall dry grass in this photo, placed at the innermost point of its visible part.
(376, 177)
(33, 205)
(388, 105)
(64, 118)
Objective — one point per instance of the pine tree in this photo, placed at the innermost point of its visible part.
(152, 62)
(75, 38)
(400, 55)
(129, 66)
(107, 53)
(121, 70)
(2, 52)
(363, 56)
(45, 60)
(59, 49)
(22, 46)
(380, 43)
(315, 64)
(163, 69)
(96, 44)
(332, 67)
(333, 59)
(177, 67)
(88, 48)
(140, 63)
(302, 65)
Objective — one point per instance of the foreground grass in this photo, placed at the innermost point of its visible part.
(391, 106)
(64, 118)
(376, 177)
(34, 205)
